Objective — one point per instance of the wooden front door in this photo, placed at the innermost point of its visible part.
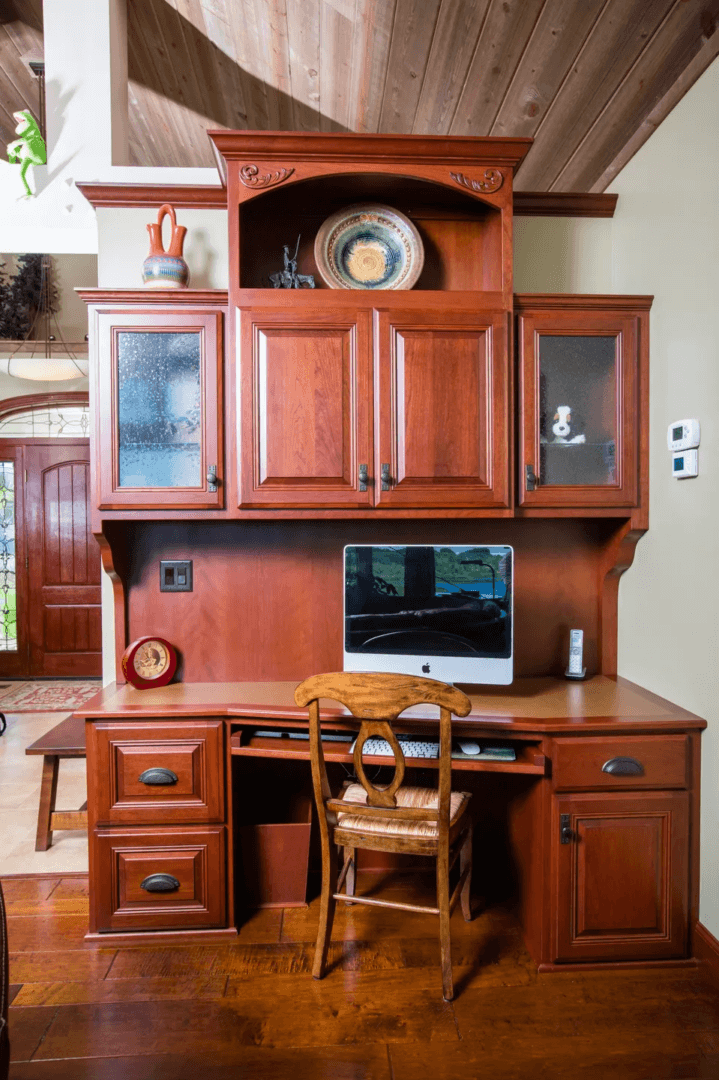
(62, 561)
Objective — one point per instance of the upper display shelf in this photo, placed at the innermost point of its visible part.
(453, 194)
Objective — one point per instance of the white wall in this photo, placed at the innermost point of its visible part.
(665, 241)
(124, 243)
(567, 255)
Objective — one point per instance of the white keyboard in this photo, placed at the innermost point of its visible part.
(411, 747)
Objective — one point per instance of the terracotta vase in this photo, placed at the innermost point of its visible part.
(166, 269)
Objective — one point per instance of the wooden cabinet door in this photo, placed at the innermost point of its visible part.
(621, 877)
(443, 408)
(305, 399)
(159, 408)
(579, 408)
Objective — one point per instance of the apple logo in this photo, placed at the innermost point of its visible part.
(425, 669)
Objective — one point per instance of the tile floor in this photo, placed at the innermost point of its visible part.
(20, 778)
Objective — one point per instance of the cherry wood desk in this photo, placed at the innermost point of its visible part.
(599, 813)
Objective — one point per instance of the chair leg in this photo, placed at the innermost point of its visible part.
(445, 943)
(465, 859)
(48, 793)
(327, 908)
(351, 879)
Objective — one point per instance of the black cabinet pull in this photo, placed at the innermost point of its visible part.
(565, 829)
(623, 766)
(530, 480)
(212, 478)
(156, 777)
(160, 883)
(363, 477)
(384, 474)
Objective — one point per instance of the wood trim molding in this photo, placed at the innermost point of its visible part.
(564, 204)
(214, 197)
(13, 405)
(706, 950)
(181, 196)
(525, 302)
(174, 297)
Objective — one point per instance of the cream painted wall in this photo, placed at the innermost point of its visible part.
(665, 241)
(123, 245)
(562, 255)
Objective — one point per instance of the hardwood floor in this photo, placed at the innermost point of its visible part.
(252, 1010)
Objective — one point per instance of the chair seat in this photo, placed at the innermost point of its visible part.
(416, 797)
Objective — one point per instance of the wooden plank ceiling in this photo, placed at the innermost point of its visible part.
(589, 80)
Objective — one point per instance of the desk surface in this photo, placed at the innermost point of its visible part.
(542, 704)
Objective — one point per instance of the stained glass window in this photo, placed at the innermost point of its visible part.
(46, 421)
(8, 627)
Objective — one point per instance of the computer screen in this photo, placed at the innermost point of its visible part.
(444, 611)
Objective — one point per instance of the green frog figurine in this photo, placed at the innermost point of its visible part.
(29, 149)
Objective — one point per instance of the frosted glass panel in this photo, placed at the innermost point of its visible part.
(578, 409)
(160, 401)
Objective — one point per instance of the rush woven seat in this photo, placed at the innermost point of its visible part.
(409, 820)
(417, 797)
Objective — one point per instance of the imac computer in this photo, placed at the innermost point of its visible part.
(444, 611)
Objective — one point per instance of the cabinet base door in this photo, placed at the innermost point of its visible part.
(621, 876)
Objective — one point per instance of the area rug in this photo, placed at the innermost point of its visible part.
(51, 696)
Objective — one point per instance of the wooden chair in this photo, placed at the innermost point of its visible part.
(412, 820)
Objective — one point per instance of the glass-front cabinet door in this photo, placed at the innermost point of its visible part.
(579, 408)
(159, 415)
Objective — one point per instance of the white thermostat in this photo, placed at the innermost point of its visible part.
(683, 435)
(685, 464)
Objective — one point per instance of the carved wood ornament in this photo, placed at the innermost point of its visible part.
(493, 180)
(251, 177)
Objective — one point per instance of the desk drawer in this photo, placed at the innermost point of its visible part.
(158, 773)
(601, 764)
(152, 879)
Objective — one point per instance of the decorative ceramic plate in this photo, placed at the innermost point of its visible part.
(368, 246)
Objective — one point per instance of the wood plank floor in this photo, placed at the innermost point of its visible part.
(252, 1010)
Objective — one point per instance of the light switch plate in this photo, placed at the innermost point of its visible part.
(176, 575)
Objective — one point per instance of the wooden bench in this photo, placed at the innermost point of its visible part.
(65, 740)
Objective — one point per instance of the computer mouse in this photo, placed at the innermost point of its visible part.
(468, 746)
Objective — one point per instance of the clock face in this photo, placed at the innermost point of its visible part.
(151, 660)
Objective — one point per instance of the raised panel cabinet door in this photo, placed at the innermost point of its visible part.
(159, 409)
(579, 408)
(305, 408)
(443, 408)
(621, 880)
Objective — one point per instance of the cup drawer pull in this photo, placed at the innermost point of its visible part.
(157, 777)
(623, 766)
(160, 883)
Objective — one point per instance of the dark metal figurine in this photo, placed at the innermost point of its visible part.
(289, 278)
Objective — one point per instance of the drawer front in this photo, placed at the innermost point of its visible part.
(610, 764)
(158, 773)
(152, 879)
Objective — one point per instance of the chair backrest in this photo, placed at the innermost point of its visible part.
(375, 700)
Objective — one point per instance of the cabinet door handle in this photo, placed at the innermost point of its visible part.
(530, 479)
(213, 479)
(385, 476)
(565, 829)
(363, 477)
(157, 776)
(623, 766)
(160, 883)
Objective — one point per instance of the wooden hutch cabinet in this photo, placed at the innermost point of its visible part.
(257, 431)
